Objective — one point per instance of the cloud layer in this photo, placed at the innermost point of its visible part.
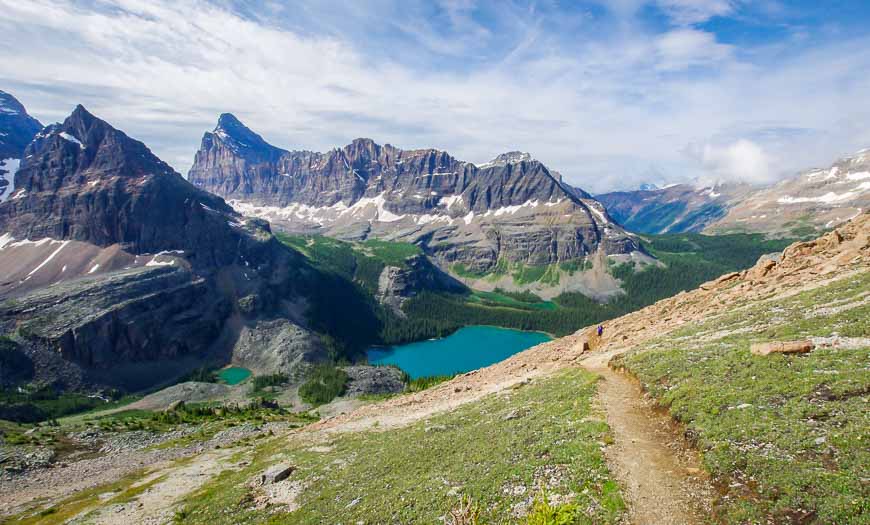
(605, 92)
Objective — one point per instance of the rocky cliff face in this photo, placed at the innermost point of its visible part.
(512, 208)
(17, 129)
(112, 258)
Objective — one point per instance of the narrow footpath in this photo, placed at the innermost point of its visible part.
(659, 473)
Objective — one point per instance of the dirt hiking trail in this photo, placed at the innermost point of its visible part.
(659, 473)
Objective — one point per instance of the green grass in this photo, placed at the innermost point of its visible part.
(576, 265)
(361, 262)
(497, 453)
(390, 253)
(526, 274)
(783, 436)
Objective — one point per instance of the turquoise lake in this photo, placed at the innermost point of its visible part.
(466, 349)
(234, 375)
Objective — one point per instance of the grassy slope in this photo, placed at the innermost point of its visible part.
(361, 262)
(499, 451)
(785, 436)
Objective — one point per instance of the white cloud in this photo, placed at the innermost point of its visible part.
(696, 11)
(602, 107)
(740, 161)
(684, 48)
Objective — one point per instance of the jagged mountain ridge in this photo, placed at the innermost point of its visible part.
(111, 260)
(17, 129)
(86, 181)
(815, 200)
(512, 208)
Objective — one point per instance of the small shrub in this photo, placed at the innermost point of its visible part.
(466, 512)
(543, 513)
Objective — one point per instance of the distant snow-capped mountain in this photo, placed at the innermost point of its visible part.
(815, 200)
(673, 208)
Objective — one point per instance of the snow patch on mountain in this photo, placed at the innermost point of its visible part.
(66, 136)
(827, 198)
(448, 202)
(50, 257)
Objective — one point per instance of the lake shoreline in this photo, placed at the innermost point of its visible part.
(468, 348)
(412, 341)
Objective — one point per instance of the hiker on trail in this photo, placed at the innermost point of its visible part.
(600, 330)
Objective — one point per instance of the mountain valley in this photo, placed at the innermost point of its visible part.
(129, 295)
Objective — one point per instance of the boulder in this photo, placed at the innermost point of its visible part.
(788, 347)
(276, 474)
(373, 380)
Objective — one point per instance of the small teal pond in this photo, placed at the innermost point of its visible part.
(234, 375)
(466, 349)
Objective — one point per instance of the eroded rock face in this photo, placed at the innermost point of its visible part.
(511, 208)
(278, 345)
(114, 259)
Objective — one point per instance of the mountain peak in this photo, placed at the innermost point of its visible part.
(17, 128)
(81, 118)
(228, 121)
(9, 105)
(234, 134)
(510, 157)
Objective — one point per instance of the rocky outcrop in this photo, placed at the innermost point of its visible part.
(373, 380)
(513, 208)
(788, 347)
(397, 284)
(276, 346)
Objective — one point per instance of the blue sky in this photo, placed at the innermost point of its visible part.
(609, 93)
